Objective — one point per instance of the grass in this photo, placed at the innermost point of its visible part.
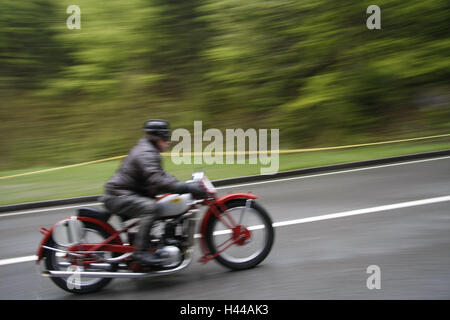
(89, 179)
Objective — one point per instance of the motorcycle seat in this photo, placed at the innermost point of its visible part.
(94, 213)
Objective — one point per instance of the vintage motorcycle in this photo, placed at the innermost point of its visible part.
(84, 253)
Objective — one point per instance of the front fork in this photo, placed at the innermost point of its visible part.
(248, 204)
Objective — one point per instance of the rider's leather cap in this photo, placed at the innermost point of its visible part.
(160, 128)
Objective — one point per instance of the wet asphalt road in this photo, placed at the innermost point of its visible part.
(325, 259)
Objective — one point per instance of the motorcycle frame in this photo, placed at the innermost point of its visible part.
(114, 243)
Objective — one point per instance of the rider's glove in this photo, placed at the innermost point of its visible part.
(192, 187)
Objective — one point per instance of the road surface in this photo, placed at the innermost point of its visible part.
(392, 217)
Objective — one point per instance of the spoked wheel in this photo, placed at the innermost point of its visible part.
(252, 234)
(59, 261)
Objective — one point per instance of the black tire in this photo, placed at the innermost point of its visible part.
(260, 256)
(51, 264)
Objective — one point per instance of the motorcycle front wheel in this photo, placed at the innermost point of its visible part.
(245, 254)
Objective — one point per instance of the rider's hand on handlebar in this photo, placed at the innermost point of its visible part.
(195, 188)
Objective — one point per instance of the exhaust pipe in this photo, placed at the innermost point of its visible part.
(118, 274)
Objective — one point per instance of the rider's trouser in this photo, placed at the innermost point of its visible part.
(135, 206)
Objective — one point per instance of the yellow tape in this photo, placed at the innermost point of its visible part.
(365, 144)
(235, 153)
(64, 167)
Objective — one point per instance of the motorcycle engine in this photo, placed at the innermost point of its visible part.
(172, 256)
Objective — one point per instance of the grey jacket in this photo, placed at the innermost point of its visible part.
(141, 173)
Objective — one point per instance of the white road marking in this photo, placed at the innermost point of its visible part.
(49, 209)
(298, 221)
(17, 260)
(239, 185)
(335, 172)
(364, 211)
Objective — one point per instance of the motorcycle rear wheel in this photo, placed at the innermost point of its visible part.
(261, 223)
(53, 263)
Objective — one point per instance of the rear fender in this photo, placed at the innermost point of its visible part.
(48, 233)
(219, 202)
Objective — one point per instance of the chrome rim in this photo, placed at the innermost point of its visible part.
(252, 247)
(63, 263)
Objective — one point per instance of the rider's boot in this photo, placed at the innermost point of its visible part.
(142, 243)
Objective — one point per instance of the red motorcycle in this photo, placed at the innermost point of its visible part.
(84, 253)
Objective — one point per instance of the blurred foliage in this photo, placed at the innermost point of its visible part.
(310, 68)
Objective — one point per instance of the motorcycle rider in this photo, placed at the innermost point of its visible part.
(131, 191)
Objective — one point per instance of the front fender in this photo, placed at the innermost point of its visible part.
(217, 204)
(48, 233)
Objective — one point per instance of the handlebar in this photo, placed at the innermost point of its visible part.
(205, 182)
